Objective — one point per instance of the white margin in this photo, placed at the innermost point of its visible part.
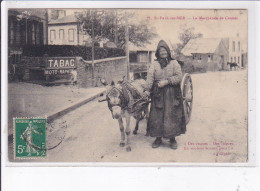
(251, 6)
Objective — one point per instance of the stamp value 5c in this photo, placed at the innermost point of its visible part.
(29, 137)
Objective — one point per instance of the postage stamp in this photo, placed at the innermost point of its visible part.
(29, 137)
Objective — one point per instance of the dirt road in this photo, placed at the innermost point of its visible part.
(217, 131)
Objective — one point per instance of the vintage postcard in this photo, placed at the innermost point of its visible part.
(148, 86)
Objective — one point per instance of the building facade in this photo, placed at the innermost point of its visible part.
(211, 53)
(234, 46)
(25, 27)
(66, 31)
(140, 59)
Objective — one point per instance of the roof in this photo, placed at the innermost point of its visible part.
(201, 45)
(110, 45)
(64, 20)
(151, 46)
(40, 13)
(146, 47)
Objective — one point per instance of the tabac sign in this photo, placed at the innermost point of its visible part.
(60, 65)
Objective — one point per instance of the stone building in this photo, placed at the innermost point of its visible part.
(234, 46)
(66, 31)
(210, 52)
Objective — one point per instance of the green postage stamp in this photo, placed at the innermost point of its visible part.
(29, 137)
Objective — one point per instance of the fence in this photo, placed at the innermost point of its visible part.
(69, 50)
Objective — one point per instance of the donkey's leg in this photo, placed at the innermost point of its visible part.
(128, 131)
(136, 125)
(121, 126)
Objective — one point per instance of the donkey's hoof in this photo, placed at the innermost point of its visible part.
(147, 134)
(135, 132)
(128, 149)
(122, 144)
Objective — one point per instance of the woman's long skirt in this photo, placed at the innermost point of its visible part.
(166, 117)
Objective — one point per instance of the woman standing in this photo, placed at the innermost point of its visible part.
(166, 119)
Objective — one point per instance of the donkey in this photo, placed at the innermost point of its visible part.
(124, 100)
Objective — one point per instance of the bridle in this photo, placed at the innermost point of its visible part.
(124, 98)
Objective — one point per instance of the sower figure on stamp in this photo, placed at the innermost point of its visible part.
(166, 119)
(27, 136)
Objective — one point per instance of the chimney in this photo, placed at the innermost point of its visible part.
(61, 13)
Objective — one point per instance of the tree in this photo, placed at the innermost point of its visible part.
(110, 24)
(186, 34)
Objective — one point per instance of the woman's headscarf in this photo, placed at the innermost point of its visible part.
(163, 61)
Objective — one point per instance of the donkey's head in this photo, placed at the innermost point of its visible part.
(115, 97)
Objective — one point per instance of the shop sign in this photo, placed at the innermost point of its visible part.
(61, 63)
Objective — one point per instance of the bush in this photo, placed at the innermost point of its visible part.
(70, 50)
(188, 67)
(193, 67)
(199, 67)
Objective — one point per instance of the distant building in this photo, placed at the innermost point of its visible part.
(66, 31)
(211, 52)
(140, 59)
(56, 13)
(25, 27)
(234, 46)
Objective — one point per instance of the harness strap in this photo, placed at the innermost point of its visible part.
(124, 97)
(134, 92)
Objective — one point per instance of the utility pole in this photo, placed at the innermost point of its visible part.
(46, 26)
(127, 48)
(26, 30)
(116, 29)
(92, 47)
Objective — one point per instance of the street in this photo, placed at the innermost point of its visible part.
(217, 131)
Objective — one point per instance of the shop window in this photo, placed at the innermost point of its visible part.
(238, 45)
(235, 59)
(12, 32)
(33, 33)
(37, 32)
(71, 35)
(132, 57)
(231, 59)
(53, 35)
(238, 59)
(210, 58)
(142, 57)
(61, 34)
(18, 33)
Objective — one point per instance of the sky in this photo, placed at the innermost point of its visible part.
(211, 28)
(224, 28)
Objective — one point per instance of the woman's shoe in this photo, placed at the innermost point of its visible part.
(174, 144)
(157, 142)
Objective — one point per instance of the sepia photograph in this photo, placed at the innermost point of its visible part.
(127, 85)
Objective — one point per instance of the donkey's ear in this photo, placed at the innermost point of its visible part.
(112, 83)
(103, 82)
(122, 80)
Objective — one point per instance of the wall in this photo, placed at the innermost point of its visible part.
(222, 50)
(237, 53)
(109, 69)
(65, 40)
(244, 60)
